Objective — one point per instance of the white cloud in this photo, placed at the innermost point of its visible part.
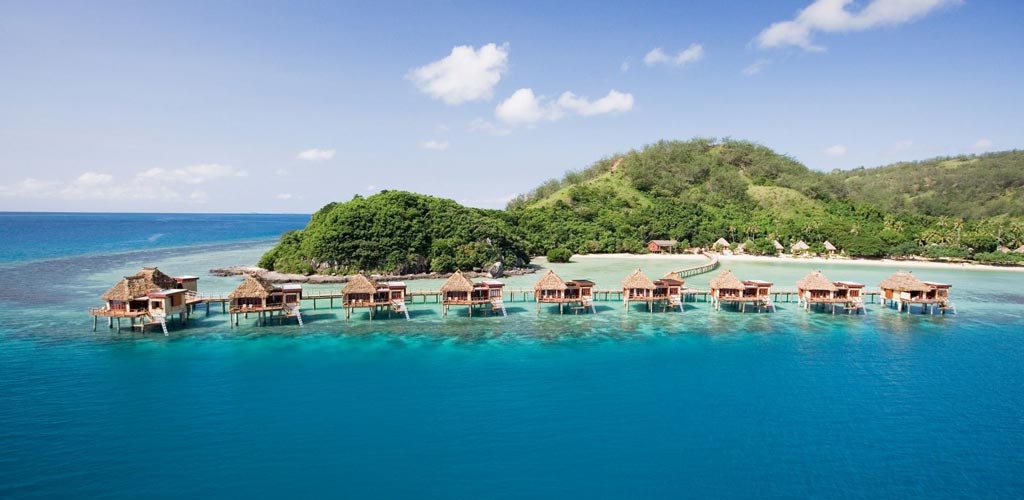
(371, 187)
(615, 101)
(624, 67)
(316, 154)
(434, 145)
(525, 108)
(154, 184)
(832, 16)
(836, 150)
(981, 144)
(281, 172)
(284, 196)
(30, 187)
(465, 75)
(757, 66)
(693, 53)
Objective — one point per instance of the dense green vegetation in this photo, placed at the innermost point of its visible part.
(559, 254)
(699, 190)
(692, 191)
(400, 232)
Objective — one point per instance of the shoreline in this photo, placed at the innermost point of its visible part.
(789, 259)
(317, 279)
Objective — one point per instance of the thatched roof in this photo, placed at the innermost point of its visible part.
(638, 280)
(359, 283)
(458, 282)
(149, 279)
(158, 278)
(253, 287)
(800, 246)
(721, 242)
(904, 281)
(665, 243)
(550, 281)
(1019, 249)
(816, 281)
(129, 288)
(778, 246)
(727, 280)
(1003, 249)
(675, 275)
(829, 246)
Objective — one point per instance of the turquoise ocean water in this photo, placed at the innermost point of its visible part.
(613, 405)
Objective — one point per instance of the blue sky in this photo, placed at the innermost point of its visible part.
(274, 107)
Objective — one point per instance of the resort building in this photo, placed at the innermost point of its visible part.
(637, 287)
(550, 289)
(778, 246)
(815, 288)
(362, 291)
(727, 288)
(461, 291)
(661, 246)
(799, 248)
(148, 295)
(720, 245)
(258, 296)
(830, 249)
(904, 290)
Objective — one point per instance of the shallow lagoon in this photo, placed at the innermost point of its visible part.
(701, 403)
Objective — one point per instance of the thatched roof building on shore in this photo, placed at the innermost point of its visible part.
(799, 247)
(661, 246)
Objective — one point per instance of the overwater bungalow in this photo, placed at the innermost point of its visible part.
(904, 290)
(671, 288)
(727, 288)
(461, 291)
(362, 291)
(661, 246)
(147, 296)
(267, 301)
(550, 289)
(637, 287)
(815, 288)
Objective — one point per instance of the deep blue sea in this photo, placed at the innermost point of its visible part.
(613, 405)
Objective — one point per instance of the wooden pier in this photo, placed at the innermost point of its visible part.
(527, 295)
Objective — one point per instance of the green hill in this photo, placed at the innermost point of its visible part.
(400, 232)
(699, 190)
(693, 191)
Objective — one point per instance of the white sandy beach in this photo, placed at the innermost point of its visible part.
(907, 264)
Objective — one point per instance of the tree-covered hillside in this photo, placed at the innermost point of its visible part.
(693, 191)
(699, 190)
(399, 232)
(966, 187)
